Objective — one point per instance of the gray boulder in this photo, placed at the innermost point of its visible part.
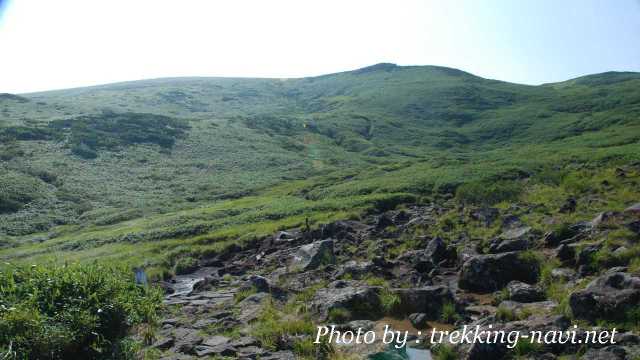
(524, 293)
(362, 302)
(314, 255)
(633, 209)
(609, 296)
(427, 300)
(436, 250)
(514, 239)
(488, 273)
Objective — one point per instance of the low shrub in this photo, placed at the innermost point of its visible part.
(448, 313)
(444, 352)
(185, 265)
(72, 311)
(488, 193)
(339, 315)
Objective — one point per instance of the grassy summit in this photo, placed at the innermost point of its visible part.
(146, 172)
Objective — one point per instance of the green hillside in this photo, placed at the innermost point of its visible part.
(148, 171)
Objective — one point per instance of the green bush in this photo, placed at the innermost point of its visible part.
(110, 131)
(488, 193)
(444, 352)
(185, 265)
(17, 190)
(339, 315)
(71, 312)
(448, 313)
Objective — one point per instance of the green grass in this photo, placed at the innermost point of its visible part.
(73, 311)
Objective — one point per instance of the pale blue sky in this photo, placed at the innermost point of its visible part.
(69, 43)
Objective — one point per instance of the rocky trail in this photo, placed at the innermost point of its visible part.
(342, 273)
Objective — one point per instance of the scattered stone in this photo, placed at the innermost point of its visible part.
(186, 340)
(216, 340)
(163, 343)
(251, 306)
(219, 350)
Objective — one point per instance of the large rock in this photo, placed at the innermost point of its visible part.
(609, 297)
(427, 300)
(314, 255)
(633, 209)
(436, 250)
(488, 273)
(515, 239)
(362, 302)
(634, 226)
(524, 293)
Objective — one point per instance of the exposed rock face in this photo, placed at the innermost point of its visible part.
(312, 256)
(361, 301)
(608, 297)
(525, 293)
(427, 300)
(487, 273)
(251, 306)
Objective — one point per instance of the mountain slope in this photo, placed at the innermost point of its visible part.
(125, 170)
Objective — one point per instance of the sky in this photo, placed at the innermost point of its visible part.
(59, 44)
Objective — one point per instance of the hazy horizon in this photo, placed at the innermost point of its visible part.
(89, 43)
